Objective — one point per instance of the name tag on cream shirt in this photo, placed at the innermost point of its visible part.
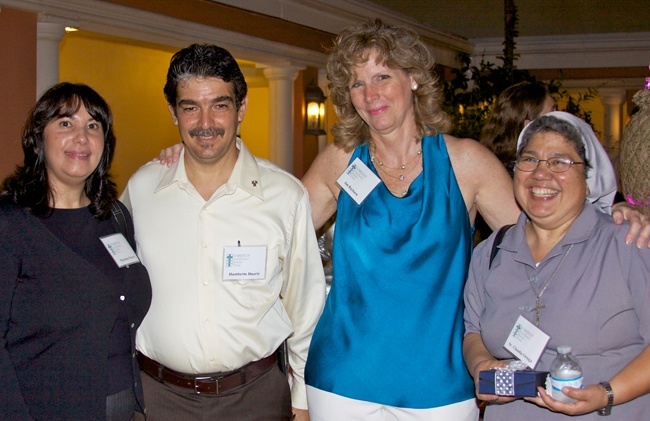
(244, 263)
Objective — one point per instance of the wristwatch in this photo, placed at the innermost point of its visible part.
(610, 399)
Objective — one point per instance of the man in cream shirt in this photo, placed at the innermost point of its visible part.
(235, 269)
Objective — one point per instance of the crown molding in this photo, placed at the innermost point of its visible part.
(125, 22)
(571, 51)
(335, 15)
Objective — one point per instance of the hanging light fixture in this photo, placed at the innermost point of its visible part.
(315, 115)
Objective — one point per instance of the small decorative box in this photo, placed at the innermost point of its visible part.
(507, 381)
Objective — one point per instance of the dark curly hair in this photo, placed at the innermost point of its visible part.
(204, 60)
(29, 185)
(398, 48)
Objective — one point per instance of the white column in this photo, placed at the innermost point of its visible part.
(612, 99)
(281, 80)
(48, 36)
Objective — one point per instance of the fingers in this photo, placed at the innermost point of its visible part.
(639, 224)
(643, 240)
(496, 399)
(639, 230)
(162, 157)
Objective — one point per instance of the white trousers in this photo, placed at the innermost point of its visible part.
(326, 406)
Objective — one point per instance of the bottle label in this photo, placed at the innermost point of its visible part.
(558, 384)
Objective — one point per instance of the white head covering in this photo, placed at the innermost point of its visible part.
(601, 179)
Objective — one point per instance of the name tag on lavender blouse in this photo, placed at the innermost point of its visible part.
(526, 342)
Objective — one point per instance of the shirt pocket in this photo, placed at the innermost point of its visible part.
(262, 292)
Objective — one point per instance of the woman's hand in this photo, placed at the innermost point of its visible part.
(478, 358)
(588, 399)
(639, 223)
(489, 364)
(170, 155)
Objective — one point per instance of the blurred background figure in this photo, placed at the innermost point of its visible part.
(517, 106)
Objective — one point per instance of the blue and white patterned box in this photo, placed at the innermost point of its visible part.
(516, 383)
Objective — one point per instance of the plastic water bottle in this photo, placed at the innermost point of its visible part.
(565, 371)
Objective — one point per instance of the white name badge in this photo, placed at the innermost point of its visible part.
(526, 342)
(244, 263)
(358, 181)
(120, 250)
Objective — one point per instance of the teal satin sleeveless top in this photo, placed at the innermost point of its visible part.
(392, 328)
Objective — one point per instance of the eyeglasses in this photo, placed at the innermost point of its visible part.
(529, 164)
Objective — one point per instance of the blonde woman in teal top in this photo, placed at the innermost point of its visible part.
(388, 345)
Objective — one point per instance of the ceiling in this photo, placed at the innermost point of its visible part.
(484, 18)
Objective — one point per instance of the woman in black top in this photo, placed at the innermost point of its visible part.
(69, 305)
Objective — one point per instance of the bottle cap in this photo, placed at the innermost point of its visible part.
(563, 349)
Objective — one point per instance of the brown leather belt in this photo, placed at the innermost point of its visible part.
(210, 384)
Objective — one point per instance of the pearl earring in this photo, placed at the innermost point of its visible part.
(414, 86)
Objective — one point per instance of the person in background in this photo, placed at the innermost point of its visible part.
(513, 109)
(235, 268)
(565, 266)
(69, 308)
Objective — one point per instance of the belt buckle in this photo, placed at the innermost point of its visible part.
(196, 384)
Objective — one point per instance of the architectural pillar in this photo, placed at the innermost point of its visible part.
(48, 36)
(612, 99)
(281, 80)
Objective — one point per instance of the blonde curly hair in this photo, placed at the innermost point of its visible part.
(397, 48)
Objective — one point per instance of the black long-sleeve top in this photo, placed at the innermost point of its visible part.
(57, 312)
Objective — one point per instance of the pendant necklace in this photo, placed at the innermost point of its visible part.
(401, 168)
(538, 296)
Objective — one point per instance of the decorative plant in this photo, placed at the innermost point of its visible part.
(472, 89)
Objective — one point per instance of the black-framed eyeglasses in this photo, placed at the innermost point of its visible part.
(529, 164)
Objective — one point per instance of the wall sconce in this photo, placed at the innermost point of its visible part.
(315, 100)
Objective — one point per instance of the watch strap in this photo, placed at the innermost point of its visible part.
(610, 399)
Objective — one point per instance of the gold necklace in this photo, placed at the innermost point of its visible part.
(402, 176)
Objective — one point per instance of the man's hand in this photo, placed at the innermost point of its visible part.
(639, 223)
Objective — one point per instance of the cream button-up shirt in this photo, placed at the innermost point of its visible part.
(199, 322)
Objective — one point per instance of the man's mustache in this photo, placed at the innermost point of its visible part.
(209, 132)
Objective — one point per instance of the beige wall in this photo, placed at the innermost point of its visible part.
(595, 106)
(18, 82)
(130, 76)
(255, 128)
